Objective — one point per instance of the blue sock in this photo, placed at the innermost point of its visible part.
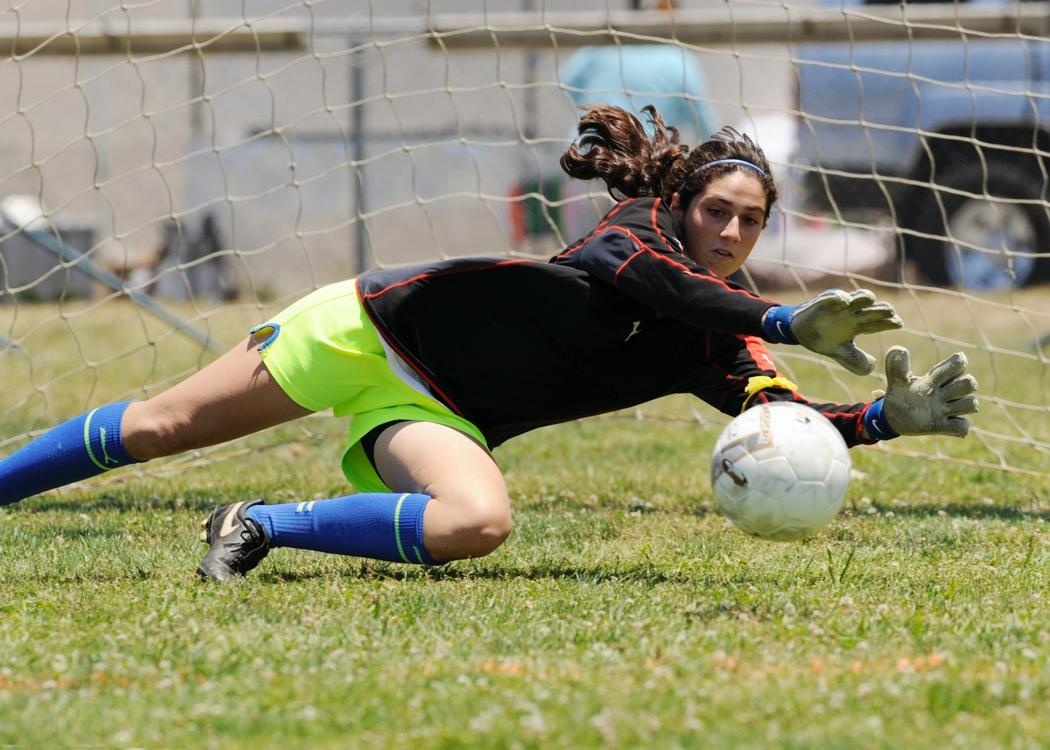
(80, 448)
(381, 526)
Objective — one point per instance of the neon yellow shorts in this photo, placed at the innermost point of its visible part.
(325, 353)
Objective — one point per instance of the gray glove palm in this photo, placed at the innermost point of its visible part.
(828, 323)
(933, 404)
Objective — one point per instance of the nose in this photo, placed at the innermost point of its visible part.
(731, 231)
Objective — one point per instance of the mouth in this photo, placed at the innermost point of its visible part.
(721, 253)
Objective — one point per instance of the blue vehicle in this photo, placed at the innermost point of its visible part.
(950, 138)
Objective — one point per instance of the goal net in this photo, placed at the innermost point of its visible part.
(172, 173)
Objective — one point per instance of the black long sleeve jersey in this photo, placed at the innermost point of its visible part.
(619, 318)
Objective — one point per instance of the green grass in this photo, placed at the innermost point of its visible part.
(622, 612)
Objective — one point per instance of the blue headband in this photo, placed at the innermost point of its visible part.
(755, 167)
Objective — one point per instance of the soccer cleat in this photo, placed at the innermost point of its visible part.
(238, 543)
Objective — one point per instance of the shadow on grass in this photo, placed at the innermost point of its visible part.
(207, 503)
(962, 510)
(633, 573)
(132, 574)
(73, 533)
(123, 503)
(639, 574)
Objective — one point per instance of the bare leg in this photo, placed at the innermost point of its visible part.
(229, 398)
(469, 514)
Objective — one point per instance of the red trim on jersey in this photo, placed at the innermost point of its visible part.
(656, 227)
(596, 231)
(573, 248)
(619, 207)
(758, 351)
(740, 380)
(407, 359)
(830, 414)
(683, 268)
(450, 272)
(616, 276)
(860, 427)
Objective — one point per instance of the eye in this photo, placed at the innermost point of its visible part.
(715, 211)
(751, 221)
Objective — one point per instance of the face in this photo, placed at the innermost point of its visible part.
(723, 223)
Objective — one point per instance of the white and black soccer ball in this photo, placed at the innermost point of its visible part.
(780, 471)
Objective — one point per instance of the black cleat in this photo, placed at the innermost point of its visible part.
(238, 543)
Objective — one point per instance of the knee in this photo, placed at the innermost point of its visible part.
(492, 529)
(483, 527)
(149, 432)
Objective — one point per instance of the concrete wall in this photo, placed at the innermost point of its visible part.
(127, 145)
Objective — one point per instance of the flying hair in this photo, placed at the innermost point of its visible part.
(614, 146)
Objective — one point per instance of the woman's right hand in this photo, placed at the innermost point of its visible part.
(828, 324)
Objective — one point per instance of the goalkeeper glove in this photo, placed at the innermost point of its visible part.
(828, 323)
(933, 404)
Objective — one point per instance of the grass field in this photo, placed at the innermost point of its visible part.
(622, 612)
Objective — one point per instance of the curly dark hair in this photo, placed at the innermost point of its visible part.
(613, 145)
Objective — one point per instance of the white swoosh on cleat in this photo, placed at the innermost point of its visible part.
(230, 521)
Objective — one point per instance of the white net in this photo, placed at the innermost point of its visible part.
(171, 173)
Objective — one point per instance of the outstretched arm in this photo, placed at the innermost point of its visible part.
(742, 374)
(932, 404)
(636, 250)
(829, 323)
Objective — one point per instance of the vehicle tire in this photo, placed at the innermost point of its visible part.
(973, 232)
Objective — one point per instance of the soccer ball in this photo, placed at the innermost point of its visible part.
(780, 471)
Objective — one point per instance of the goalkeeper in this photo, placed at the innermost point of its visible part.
(440, 363)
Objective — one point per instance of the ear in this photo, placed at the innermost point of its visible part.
(676, 204)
